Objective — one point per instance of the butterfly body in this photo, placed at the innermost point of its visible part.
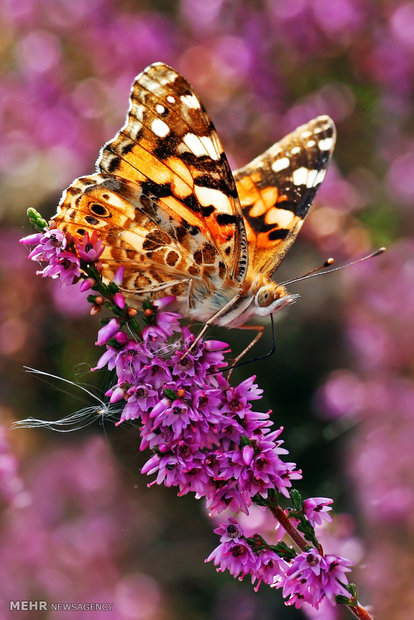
(169, 210)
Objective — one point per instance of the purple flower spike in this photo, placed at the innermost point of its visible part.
(107, 332)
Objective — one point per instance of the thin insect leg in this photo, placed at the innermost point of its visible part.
(210, 321)
(265, 355)
(259, 329)
(255, 359)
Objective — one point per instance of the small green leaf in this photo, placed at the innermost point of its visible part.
(113, 288)
(245, 441)
(296, 498)
(352, 589)
(133, 324)
(36, 219)
(283, 551)
(171, 394)
(343, 600)
(307, 530)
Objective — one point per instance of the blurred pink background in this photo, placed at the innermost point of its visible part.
(78, 523)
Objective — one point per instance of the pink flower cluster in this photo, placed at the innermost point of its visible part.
(309, 578)
(205, 435)
(51, 248)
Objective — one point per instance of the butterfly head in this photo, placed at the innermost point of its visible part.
(271, 297)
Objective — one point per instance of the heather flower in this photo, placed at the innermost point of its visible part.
(86, 284)
(316, 510)
(177, 400)
(90, 248)
(335, 575)
(64, 265)
(269, 568)
(51, 244)
(31, 239)
(107, 332)
(311, 577)
(233, 553)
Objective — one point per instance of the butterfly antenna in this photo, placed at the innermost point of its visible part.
(319, 270)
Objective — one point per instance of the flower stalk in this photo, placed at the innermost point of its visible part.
(204, 435)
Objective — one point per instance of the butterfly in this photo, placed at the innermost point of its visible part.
(168, 208)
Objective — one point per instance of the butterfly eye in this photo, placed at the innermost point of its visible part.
(98, 209)
(264, 297)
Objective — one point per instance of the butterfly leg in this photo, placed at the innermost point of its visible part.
(259, 329)
(210, 321)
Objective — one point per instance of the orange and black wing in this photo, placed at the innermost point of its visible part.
(170, 149)
(277, 189)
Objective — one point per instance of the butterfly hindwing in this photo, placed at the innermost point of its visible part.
(277, 189)
(159, 255)
(169, 147)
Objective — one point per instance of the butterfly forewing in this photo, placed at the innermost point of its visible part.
(169, 147)
(277, 189)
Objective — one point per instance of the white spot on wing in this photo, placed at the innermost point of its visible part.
(208, 196)
(171, 99)
(193, 143)
(310, 143)
(201, 145)
(320, 176)
(210, 147)
(300, 176)
(191, 101)
(325, 144)
(160, 108)
(310, 178)
(160, 128)
(280, 164)
(282, 217)
(295, 150)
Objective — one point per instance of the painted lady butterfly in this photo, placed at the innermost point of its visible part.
(168, 208)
